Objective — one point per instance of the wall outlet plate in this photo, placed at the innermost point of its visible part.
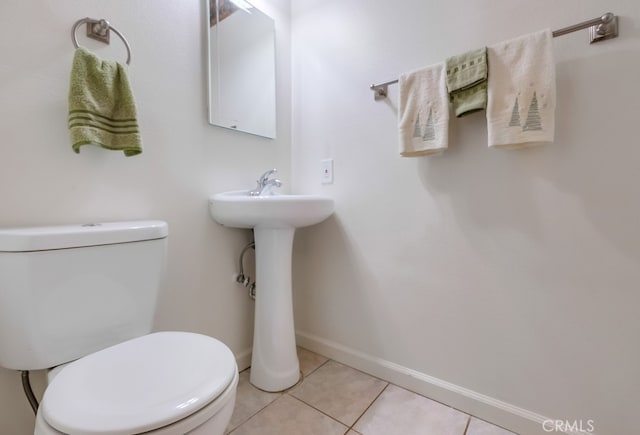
(326, 176)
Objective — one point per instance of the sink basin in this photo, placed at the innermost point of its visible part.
(238, 209)
(274, 219)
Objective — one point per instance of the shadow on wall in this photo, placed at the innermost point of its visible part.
(315, 310)
(593, 161)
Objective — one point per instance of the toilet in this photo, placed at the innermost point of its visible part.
(79, 300)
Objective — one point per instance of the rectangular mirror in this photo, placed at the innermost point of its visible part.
(242, 73)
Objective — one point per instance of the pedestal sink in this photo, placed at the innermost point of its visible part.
(274, 219)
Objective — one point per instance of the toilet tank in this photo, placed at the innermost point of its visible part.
(67, 291)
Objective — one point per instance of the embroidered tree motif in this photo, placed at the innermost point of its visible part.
(416, 127)
(533, 117)
(430, 131)
(515, 115)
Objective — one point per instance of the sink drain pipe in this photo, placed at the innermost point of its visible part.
(243, 279)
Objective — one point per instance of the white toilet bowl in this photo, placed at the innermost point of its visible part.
(165, 383)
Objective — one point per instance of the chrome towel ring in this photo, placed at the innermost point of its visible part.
(99, 30)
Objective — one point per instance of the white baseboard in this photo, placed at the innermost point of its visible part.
(511, 417)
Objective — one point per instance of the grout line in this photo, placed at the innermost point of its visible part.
(370, 405)
(316, 369)
(349, 428)
(361, 371)
(492, 424)
(466, 428)
(282, 393)
(324, 413)
(319, 410)
(462, 399)
(255, 413)
(316, 353)
(279, 393)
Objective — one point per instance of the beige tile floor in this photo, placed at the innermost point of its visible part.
(335, 399)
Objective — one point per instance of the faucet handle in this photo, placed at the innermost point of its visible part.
(264, 182)
(264, 177)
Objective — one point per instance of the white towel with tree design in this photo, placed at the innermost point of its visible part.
(521, 91)
(423, 112)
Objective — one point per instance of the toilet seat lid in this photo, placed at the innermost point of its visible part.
(139, 385)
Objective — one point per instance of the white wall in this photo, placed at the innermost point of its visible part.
(511, 275)
(184, 160)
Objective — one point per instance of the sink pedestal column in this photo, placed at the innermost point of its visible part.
(274, 362)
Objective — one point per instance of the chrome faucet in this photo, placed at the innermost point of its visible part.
(265, 183)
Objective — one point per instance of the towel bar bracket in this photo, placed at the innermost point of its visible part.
(379, 92)
(99, 30)
(608, 29)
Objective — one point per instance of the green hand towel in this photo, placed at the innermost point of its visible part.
(467, 81)
(102, 110)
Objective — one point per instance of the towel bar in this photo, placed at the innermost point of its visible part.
(601, 28)
(99, 30)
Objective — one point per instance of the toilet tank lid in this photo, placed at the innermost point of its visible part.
(25, 239)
